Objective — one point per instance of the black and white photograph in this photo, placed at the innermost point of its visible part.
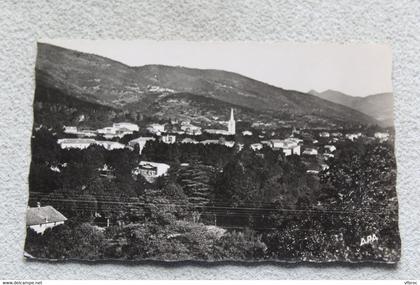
(212, 151)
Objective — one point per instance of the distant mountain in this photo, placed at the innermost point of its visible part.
(379, 106)
(100, 80)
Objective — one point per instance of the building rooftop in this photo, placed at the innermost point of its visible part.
(147, 166)
(189, 140)
(76, 140)
(141, 163)
(210, 142)
(42, 215)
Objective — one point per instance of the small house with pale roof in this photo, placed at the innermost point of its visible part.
(41, 218)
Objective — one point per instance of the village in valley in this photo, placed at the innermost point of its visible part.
(315, 147)
(156, 154)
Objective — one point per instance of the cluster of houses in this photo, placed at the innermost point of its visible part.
(117, 130)
(335, 136)
(187, 128)
(41, 218)
(85, 138)
(382, 137)
(83, 143)
(183, 128)
(288, 146)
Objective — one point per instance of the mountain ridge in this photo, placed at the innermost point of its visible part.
(379, 106)
(108, 82)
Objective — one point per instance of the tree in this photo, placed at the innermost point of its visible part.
(89, 241)
(82, 241)
(245, 245)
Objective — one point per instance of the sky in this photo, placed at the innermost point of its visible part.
(354, 69)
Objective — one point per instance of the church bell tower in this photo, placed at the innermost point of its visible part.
(231, 123)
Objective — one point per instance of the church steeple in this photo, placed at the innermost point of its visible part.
(231, 123)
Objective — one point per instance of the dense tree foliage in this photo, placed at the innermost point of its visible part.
(216, 203)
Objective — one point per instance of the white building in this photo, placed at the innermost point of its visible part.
(86, 133)
(310, 151)
(110, 145)
(118, 130)
(333, 140)
(151, 170)
(107, 131)
(324, 134)
(381, 136)
(328, 156)
(217, 132)
(277, 143)
(124, 125)
(324, 166)
(168, 139)
(256, 146)
(291, 150)
(121, 132)
(75, 143)
(156, 128)
(190, 129)
(140, 142)
(85, 143)
(70, 129)
(247, 133)
(289, 146)
(183, 123)
(41, 218)
(112, 132)
(206, 142)
(330, 148)
(81, 133)
(219, 141)
(189, 140)
(231, 144)
(261, 125)
(353, 137)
